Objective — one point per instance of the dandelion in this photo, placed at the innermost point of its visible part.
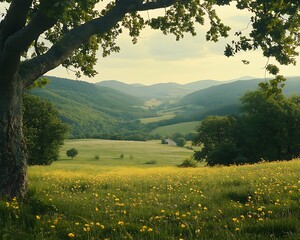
(71, 235)
(182, 225)
(120, 223)
(237, 229)
(235, 220)
(37, 217)
(150, 230)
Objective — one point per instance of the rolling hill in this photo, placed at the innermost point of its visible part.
(91, 110)
(217, 100)
(229, 93)
(161, 91)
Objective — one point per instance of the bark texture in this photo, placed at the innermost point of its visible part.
(13, 157)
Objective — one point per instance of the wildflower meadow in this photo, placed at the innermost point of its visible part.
(86, 200)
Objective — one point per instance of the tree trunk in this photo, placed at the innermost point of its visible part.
(13, 156)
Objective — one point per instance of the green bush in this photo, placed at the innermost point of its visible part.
(187, 163)
(151, 162)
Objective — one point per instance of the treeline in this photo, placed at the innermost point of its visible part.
(267, 129)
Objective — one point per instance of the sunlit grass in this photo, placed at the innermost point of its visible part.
(169, 130)
(83, 200)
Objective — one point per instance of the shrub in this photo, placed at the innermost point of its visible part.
(180, 142)
(122, 156)
(151, 162)
(97, 157)
(188, 163)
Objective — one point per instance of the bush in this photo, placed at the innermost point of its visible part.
(180, 142)
(122, 156)
(97, 157)
(151, 162)
(187, 163)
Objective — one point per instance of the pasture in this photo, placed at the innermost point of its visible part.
(113, 198)
(184, 128)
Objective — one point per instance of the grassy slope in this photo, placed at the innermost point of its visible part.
(85, 200)
(156, 119)
(185, 127)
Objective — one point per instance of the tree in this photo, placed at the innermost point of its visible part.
(271, 124)
(215, 133)
(38, 36)
(72, 152)
(43, 130)
(267, 128)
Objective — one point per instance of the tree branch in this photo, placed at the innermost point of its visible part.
(32, 69)
(155, 5)
(15, 18)
(22, 39)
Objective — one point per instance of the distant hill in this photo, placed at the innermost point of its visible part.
(224, 98)
(88, 108)
(161, 91)
(229, 93)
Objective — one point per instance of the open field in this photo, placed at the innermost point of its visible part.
(184, 128)
(107, 199)
(156, 119)
(134, 153)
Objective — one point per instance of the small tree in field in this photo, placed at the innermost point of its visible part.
(72, 152)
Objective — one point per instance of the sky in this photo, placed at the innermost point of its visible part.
(158, 58)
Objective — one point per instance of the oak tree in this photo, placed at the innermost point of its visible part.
(38, 35)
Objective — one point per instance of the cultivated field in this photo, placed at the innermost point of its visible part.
(113, 198)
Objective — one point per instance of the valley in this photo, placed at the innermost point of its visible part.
(116, 110)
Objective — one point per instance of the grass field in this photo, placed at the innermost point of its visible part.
(121, 199)
(156, 119)
(134, 153)
(184, 128)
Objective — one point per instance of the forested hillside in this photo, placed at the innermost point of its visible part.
(219, 100)
(104, 112)
(161, 91)
(90, 110)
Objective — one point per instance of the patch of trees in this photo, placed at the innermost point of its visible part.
(44, 131)
(267, 129)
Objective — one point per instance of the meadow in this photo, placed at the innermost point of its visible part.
(125, 198)
(169, 130)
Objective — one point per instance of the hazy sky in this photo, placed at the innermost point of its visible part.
(159, 58)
